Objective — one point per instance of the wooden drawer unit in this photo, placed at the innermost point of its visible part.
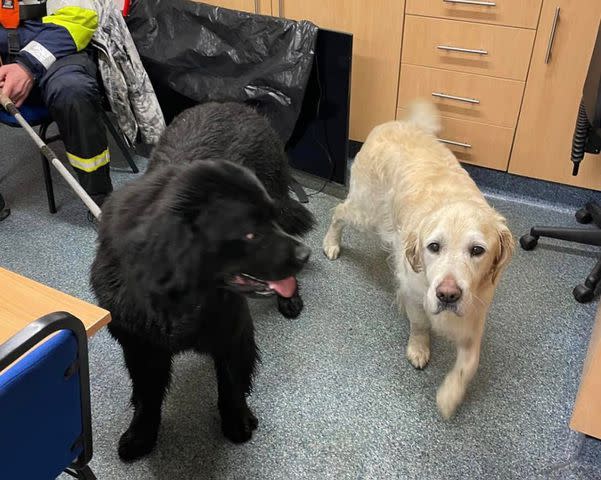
(464, 96)
(476, 143)
(513, 13)
(560, 62)
(468, 47)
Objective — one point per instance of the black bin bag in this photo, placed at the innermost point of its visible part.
(196, 53)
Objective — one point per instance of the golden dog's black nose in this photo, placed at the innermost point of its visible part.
(302, 253)
(448, 291)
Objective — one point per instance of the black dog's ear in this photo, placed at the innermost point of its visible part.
(174, 259)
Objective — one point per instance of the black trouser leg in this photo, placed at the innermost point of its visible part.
(150, 370)
(70, 91)
(97, 183)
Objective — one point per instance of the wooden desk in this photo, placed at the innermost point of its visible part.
(586, 416)
(23, 301)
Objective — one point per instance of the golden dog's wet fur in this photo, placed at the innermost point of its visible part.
(410, 189)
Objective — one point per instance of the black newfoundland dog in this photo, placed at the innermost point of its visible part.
(179, 249)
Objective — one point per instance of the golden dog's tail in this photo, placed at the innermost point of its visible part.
(424, 115)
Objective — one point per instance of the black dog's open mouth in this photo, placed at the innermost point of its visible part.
(248, 284)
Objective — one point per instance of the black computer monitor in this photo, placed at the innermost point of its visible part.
(320, 142)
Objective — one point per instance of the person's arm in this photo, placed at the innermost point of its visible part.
(67, 29)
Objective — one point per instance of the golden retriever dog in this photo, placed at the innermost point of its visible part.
(449, 246)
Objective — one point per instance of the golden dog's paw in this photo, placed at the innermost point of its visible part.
(448, 398)
(418, 354)
(331, 251)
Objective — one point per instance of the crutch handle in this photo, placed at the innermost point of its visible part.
(7, 103)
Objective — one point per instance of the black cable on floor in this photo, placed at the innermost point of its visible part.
(325, 147)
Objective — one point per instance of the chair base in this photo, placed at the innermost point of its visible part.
(591, 212)
(84, 473)
(46, 168)
(125, 150)
(4, 211)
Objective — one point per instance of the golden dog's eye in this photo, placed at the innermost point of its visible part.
(434, 247)
(476, 251)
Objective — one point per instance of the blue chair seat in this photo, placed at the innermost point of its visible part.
(45, 401)
(33, 114)
(40, 442)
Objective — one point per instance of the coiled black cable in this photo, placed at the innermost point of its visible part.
(580, 138)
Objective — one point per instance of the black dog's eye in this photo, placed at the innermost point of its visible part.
(476, 251)
(434, 247)
(250, 236)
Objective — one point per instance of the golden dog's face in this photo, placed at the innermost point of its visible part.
(462, 249)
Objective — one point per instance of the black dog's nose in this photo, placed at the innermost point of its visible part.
(302, 253)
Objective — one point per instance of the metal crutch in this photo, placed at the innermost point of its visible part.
(45, 150)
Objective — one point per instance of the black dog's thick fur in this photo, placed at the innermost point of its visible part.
(235, 132)
(178, 249)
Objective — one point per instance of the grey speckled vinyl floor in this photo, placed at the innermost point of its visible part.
(334, 395)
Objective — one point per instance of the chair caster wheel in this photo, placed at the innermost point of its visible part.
(5, 212)
(583, 294)
(528, 242)
(583, 216)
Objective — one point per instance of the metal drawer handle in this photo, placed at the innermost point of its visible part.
(457, 144)
(463, 50)
(453, 97)
(281, 8)
(257, 6)
(552, 36)
(472, 2)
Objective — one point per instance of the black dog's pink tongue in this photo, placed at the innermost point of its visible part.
(284, 288)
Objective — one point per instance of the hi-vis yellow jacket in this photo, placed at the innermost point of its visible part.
(67, 28)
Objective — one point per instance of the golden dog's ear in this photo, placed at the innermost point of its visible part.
(504, 252)
(412, 252)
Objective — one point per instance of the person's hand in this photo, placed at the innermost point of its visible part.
(16, 82)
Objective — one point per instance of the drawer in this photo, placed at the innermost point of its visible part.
(513, 13)
(483, 145)
(463, 95)
(467, 47)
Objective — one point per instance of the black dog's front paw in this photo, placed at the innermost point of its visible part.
(136, 443)
(291, 307)
(238, 425)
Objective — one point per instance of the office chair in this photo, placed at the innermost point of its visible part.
(38, 115)
(46, 423)
(587, 139)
